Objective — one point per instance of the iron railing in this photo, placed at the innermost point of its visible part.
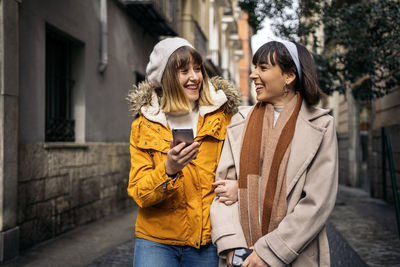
(387, 151)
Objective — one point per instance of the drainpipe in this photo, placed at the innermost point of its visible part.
(103, 37)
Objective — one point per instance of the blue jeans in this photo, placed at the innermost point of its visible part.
(152, 254)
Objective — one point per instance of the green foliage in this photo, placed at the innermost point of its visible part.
(361, 39)
(256, 16)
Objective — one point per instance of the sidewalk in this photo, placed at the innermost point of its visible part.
(83, 245)
(361, 232)
(368, 225)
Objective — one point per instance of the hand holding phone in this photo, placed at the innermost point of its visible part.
(240, 255)
(179, 155)
(182, 135)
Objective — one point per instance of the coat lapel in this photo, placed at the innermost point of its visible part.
(235, 133)
(305, 143)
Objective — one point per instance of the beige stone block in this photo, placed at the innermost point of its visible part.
(32, 162)
(74, 194)
(109, 192)
(56, 186)
(26, 213)
(62, 204)
(27, 231)
(85, 214)
(33, 191)
(106, 181)
(57, 162)
(45, 209)
(89, 190)
(103, 168)
(122, 149)
(65, 222)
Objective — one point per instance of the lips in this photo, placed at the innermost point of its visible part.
(192, 86)
(259, 87)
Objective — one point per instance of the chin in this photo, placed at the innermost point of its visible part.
(193, 99)
(261, 99)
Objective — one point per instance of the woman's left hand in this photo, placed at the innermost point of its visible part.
(253, 260)
(226, 191)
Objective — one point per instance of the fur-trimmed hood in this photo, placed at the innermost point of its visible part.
(143, 99)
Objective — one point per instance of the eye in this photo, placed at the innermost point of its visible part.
(183, 70)
(197, 68)
(264, 67)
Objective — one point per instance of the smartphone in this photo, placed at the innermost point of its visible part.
(183, 135)
(240, 255)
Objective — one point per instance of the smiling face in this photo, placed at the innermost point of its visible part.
(184, 82)
(191, 78)
(274, 76)
(269, 82)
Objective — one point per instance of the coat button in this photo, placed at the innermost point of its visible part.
(145, 143)
(155, 143)
(158, 129)
(148, 125)
(212, 131)
(209, 122)
(197, 244)
(219, 119)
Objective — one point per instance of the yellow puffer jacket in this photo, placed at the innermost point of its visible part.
(176, 212)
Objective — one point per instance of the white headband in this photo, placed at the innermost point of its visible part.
(291, 47)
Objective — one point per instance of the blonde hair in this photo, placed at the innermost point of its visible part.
(173, 96)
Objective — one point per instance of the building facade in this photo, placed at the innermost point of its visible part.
(65, 70)
(360, 126)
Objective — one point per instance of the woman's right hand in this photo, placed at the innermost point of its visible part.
(226, 191)
(179, 156)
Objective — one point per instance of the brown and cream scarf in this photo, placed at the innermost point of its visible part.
(263, 160)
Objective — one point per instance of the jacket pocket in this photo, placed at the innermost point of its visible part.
(172, 201)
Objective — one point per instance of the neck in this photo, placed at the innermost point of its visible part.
(285, 99)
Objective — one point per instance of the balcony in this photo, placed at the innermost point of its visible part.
(157, 17)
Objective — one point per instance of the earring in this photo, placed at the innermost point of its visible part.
(285, 89)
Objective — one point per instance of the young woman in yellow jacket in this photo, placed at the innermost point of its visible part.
(172, 185)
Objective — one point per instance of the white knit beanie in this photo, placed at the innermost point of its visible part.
(159, 58)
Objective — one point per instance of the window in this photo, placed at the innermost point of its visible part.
(60, 125)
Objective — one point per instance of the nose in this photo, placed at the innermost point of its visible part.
(193, 75)
(253, 74)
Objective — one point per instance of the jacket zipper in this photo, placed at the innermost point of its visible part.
(152, 158)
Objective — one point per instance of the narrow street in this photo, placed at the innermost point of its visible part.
(361, 232)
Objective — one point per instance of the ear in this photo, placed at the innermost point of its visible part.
(289, 78)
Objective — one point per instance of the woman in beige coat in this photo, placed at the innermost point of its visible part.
(281, 155)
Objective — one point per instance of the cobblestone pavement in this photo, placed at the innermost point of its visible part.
(361, 232)
(369, 227)
(120, 257)
(342, 255)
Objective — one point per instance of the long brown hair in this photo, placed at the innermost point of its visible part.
(276, 53)
(173, 98)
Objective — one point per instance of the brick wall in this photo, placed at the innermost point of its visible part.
(375, 162)
(62, 186)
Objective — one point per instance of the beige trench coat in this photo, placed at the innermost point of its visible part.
(311, 181)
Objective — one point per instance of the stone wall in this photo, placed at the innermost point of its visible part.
(343, 144)
(375, 162)
(62, 186)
